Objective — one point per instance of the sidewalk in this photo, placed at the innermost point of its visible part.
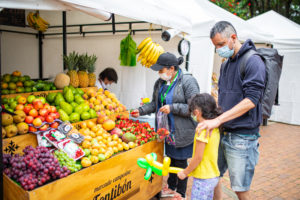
(277, 175)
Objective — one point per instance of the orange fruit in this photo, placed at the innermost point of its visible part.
(95, 129)
(115, 137)
(86, 144)
(120, 140)
(125, 146)
(95, 152)
(4, 85)
(96, 146)
(99, 138)
(93, 134)
(90, 124)
(19, 84)
(116, 150)
(131, 145)
(94, 159)
(102, 150)
(109, 124)
(85, 162)
(120, 147)
(88, 138)
(83, 125)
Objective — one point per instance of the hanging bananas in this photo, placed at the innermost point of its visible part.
(149, 52)
(36, 22)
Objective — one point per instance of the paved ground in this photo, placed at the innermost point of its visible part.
(277, 174)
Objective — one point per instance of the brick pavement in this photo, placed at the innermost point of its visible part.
(277, 175)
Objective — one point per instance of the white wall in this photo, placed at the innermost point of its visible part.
(21, 52)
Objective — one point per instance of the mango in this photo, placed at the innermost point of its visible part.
(66, 107)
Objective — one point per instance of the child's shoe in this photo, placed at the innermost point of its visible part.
(167, 192)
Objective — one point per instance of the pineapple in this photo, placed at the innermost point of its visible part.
(71, 61)
(82, 75)
(91, 70)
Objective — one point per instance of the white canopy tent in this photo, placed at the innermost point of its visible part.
(287, 41)
(203, 51)
(195, 17)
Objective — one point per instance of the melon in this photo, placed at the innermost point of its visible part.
(108, 125)
(61, 80)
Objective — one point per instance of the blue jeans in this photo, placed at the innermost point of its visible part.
(239, 154)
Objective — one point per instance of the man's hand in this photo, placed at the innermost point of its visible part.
(181, 175)
(165, 109)
(135, 113)
(209, 125)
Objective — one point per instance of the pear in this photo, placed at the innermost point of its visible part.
(7, 119)
(20, 116)
(11, 130)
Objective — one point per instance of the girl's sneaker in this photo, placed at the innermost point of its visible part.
(167, 192)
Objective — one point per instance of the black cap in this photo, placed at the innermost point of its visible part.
(165, 60)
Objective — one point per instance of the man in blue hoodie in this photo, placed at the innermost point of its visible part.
(239, 97)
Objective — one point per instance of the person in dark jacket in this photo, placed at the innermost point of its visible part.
(240, 100)
(170, 95)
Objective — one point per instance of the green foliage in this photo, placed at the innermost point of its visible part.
(251, 8)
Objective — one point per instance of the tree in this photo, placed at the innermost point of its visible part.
(250, 8)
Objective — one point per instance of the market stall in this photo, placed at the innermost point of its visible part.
(111, 144)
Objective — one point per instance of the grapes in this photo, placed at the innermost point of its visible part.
(66, 162)
(35, 168)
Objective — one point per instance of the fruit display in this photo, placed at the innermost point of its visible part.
(65, 161)
(99, 144)
(16, 83)
(32, 114)
(33, 169)
(103, 102)
(149, 52)
(13, 125)
(132, 130)
(71, 106)
(36, 22)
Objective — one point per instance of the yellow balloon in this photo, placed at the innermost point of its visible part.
(149, 159)
(175, 170)
(166, 166)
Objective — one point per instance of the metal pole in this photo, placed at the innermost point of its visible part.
(40, 55)
(64, 22)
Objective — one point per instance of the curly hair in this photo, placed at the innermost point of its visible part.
(206, 104)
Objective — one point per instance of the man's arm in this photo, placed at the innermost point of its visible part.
(241, 108)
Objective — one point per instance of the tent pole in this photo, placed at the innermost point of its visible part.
(64, 21)
(40, 55)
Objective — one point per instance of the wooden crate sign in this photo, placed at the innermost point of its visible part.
(16, 144)
(118, 178)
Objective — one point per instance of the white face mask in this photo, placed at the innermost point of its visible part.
(165, 76)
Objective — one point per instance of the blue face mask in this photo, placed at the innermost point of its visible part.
(194, 117)
(225, 52)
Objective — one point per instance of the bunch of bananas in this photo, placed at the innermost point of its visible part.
(36, 22)
(149, 52)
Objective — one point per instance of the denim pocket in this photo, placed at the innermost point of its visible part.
(238, 143)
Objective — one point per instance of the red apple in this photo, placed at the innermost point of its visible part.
(52, 115)
(44, 128)
(33, 113)
(20, 107)
(41, 118)
(37, 122)
(47, 107)
(32, 129)
(49, 119)
(53, 109)
(56, 115)
(29, 119)
(54, 125)
(37, 104)
(27, 108)
(43, 112)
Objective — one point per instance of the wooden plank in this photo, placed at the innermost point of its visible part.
(18, 143)
(41, 93)
(118, 178)
(12, 191)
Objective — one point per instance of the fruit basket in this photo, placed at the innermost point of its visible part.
(116, 178)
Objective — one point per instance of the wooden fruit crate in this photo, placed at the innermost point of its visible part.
(18, 143)
(40, 93)
(117, 178)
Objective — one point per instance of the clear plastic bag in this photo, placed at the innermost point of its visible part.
(162, 121)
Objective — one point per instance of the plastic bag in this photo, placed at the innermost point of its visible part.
(162, 121)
